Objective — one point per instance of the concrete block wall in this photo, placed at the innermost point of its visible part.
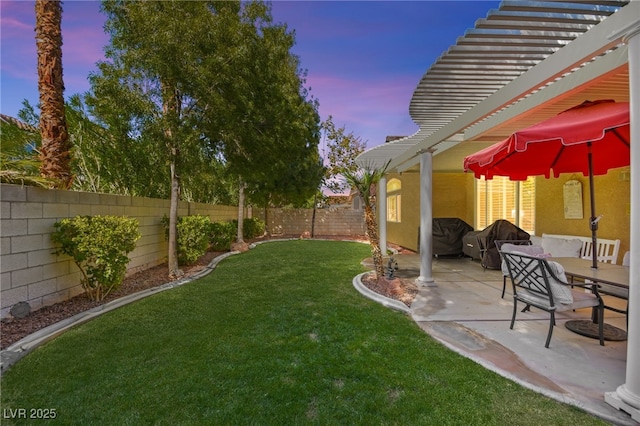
(329, 222)
(30, 272)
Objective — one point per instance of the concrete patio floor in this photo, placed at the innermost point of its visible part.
(464, 311)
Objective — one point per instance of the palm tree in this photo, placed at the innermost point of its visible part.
(364, 181)
(19, 162)
(55, 150)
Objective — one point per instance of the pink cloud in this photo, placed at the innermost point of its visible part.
(83, 34)
(371, 109)
(82, 47)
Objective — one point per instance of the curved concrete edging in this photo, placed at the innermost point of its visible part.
(385, 301)
(22, 347)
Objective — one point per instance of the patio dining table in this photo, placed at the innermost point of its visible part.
(606, 273)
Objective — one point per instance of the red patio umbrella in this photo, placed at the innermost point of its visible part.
(590, 138)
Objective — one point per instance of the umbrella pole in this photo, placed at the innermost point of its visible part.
(593, 221)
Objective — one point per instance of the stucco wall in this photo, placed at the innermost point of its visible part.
(612, 200)
(453, 196)
(405, 232)
(450, 199)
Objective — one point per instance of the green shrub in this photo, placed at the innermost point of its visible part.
(99, 246)
(253, 227)
(193, 238)
(221, 235)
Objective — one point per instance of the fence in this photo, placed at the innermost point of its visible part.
(30, 272)
(328, 222)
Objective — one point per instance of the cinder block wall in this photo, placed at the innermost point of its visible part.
(30, 271)
(328, 222)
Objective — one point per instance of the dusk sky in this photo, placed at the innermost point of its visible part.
(364, 58)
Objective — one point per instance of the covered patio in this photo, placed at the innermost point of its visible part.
(522, 64)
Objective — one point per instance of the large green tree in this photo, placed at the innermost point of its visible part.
(207, 87)
(270, 140)
(159, 55)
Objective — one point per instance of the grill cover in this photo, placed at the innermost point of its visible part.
(498, 230)
(447, 236)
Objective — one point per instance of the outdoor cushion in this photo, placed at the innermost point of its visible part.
(528, 249)
(561, 291)
(561, 247)
(531, 250)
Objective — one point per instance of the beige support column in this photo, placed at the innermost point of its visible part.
(627, 396)
(426, 219)
(382, 214)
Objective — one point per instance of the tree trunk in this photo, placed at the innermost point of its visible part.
(174, 269)
(55, 151)
(171, 111)
(240, 237)
(372, 230)
(313, 215)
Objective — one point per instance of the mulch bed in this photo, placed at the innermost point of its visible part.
(405, 291)
(14, 329)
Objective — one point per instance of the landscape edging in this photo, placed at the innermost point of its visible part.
(383, 300)
(22, 347)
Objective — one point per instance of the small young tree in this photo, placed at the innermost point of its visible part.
(364, 180)
(342, 150)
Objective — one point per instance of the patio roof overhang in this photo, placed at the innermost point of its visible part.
(523, 63)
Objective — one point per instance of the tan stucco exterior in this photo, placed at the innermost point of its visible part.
(453, 196)
(612, 199)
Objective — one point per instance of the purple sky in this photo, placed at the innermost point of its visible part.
(364, 58)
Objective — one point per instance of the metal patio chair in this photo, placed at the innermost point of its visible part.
(505, 272)
(541, 283)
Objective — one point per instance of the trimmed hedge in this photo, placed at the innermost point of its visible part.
(221, 235)
(193, 237)
(99, 246)
(253, 227)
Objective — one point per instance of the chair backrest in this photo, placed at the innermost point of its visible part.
(537, 277)
(524, 246)
(528, 272)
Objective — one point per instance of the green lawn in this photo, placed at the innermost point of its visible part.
(275, 336)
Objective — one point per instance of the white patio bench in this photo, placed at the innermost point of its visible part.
(607, 250)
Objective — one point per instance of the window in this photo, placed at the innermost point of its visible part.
(394, 200)
(501, 198)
